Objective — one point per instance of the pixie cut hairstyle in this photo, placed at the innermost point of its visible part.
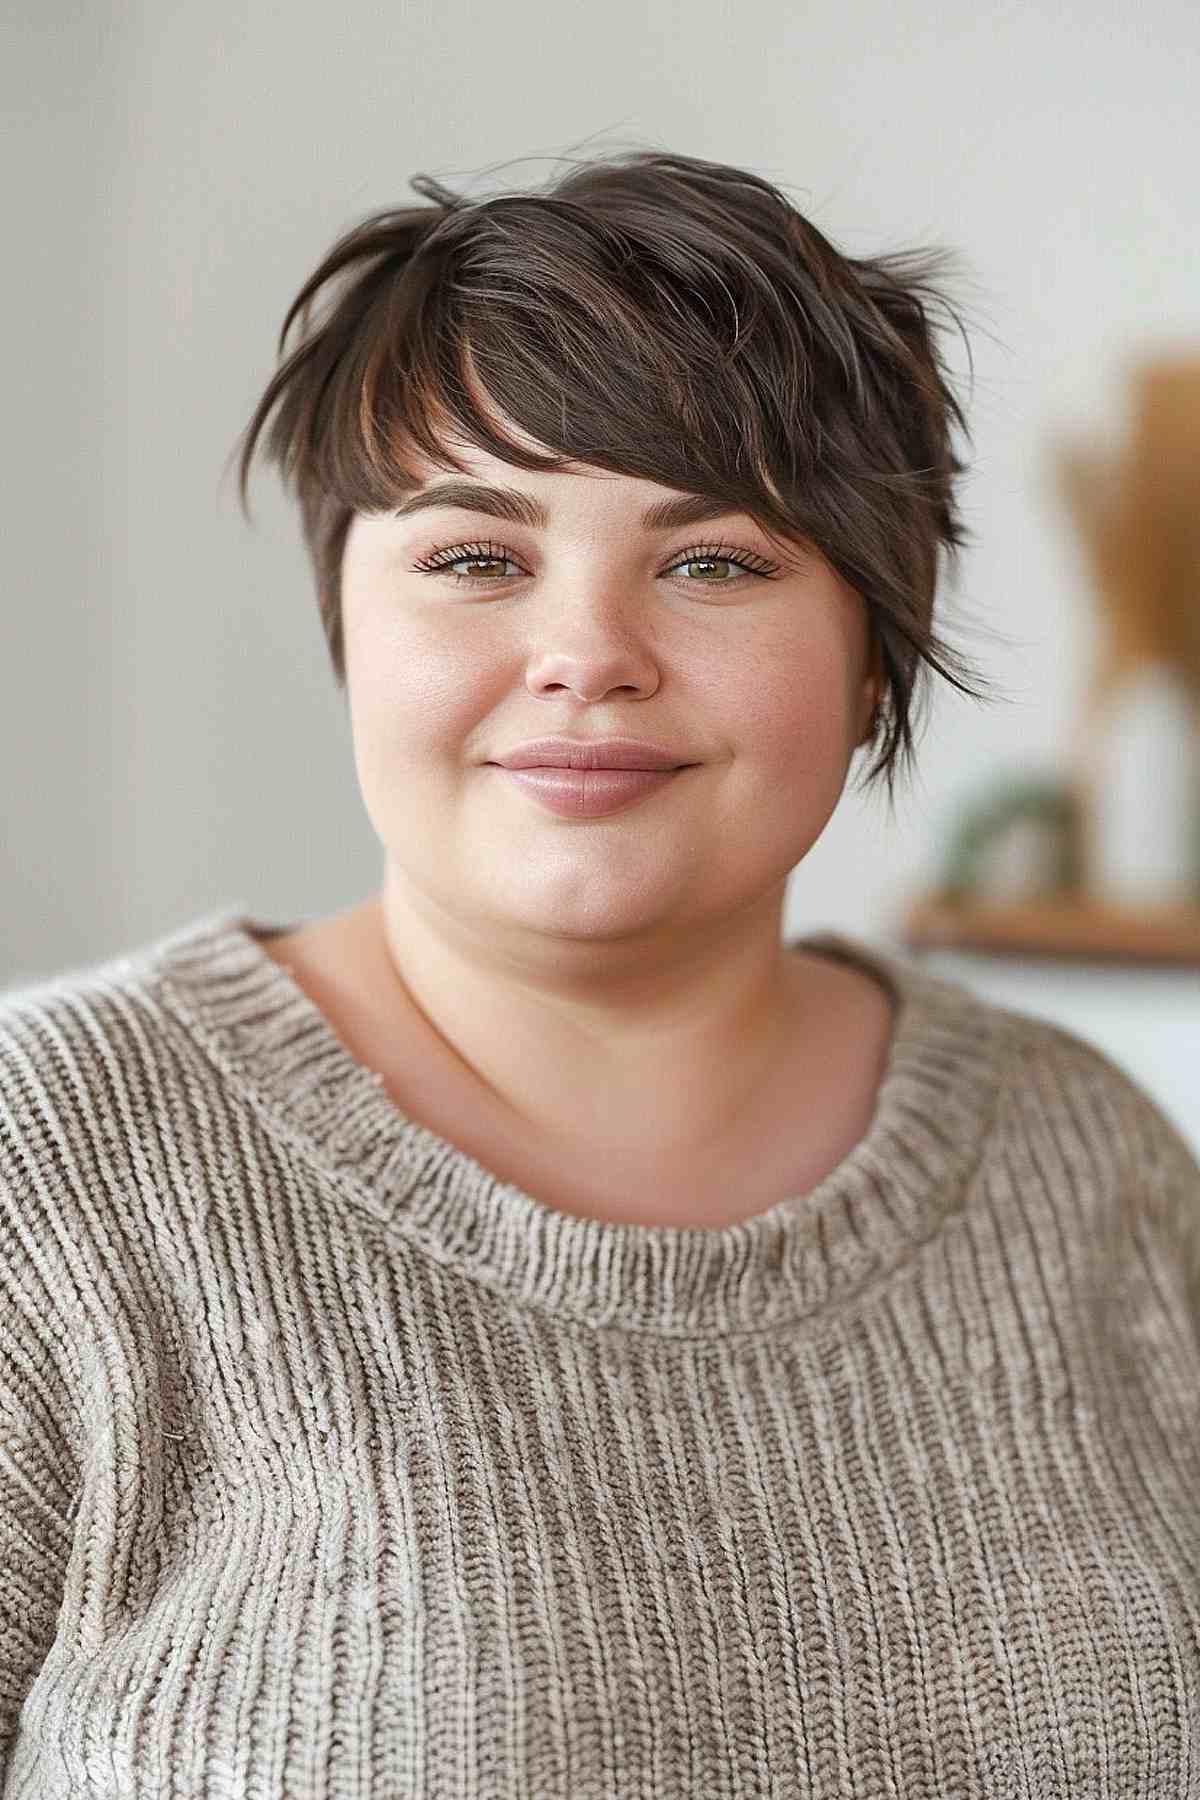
(656, 316)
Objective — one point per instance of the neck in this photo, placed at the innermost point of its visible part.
(671, 1054)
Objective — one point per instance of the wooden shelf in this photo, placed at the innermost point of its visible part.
(1066, 929)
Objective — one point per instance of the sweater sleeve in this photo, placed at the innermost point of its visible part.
(1175, 1179)
(36, 1481)
(1162, 1174)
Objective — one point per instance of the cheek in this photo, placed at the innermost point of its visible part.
(407, 689)
(793, 706)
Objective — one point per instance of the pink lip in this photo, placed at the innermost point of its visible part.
(589, 793)
(589, 753)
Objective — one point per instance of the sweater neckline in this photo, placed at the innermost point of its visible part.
(870, 1214)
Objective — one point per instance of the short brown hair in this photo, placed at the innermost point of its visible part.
(657, 316)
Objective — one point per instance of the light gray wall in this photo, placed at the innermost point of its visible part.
(171, 737)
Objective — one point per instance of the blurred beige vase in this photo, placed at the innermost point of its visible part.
(1145, 824)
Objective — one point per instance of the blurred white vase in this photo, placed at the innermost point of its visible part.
(1145, 793)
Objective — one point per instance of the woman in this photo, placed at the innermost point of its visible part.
(538, 1332)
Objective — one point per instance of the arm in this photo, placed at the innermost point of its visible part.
(37, 1466)
(1176, 1197)
(35, 1536)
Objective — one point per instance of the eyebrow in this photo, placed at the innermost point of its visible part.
(519, 508)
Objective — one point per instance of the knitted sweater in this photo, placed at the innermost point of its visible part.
(331, 1465)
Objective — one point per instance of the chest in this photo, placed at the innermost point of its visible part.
(638, 1566)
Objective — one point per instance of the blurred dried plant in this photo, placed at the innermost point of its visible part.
(1137, 512)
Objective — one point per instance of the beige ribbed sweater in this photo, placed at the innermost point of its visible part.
(332, 1466)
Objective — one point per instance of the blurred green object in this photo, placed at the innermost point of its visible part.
(1053, 805)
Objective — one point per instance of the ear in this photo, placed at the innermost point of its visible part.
(872, 693)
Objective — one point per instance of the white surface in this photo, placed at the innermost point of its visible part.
(1145, 1021)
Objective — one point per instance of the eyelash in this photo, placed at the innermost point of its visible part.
(439, 561)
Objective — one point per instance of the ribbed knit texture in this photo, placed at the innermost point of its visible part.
(330, 1465)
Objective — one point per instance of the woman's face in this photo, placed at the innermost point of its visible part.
(595, 625)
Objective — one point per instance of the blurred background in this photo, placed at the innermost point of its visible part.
(171, 736)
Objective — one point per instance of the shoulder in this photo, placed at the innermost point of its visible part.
(94, 1067)
(1068, 1077)
(1070, 1117)
(79, 1097)
(1049, 1081)
(111, 1016)
(103, 1127)
(1036, 1057)
(69, 1043)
